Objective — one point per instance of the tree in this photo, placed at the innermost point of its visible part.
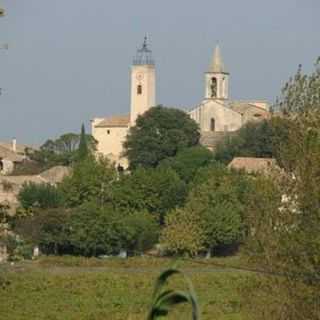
(284, 211)
(40, 196)
(253, 140)
(47, 228)
(212, 216)
(183, 233)
(159, 133)
(153, 190)
(90, 180)
(62, 151)
(187, 162)
(83, 150)
(96, 230)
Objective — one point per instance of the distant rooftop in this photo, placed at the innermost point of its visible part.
(143, 55)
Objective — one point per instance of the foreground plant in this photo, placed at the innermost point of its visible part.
(166, 299)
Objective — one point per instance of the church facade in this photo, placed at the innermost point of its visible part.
(216, 115)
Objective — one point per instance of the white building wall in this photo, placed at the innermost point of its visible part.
(225, 118)
(110, 141)
(145, 76)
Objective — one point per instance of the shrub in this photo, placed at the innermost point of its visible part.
(98, 230)
(153, 190)
(48, 228)
(188, 161)
(90, 180)
(39, 195)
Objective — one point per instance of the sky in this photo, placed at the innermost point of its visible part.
(69, 60)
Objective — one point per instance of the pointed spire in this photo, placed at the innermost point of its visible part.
(144, 54)
(217, 63)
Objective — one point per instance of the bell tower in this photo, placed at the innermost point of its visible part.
(217, 78)
(143, 82)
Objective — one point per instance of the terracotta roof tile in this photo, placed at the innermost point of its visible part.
(253, 165)
(10, 155)
(114, 121)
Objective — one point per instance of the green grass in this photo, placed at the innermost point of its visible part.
(93, 289)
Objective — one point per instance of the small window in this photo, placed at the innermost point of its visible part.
(212, 124)
(257, 115)
(108, 131)
(213, 87)
(139, 89)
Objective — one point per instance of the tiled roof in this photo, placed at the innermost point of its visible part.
(10, 155)
(242, 107)
(19, 147)
(253, 165)
(115, 121)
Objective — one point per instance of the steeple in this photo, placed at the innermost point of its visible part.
(217, 78)
(216, 62)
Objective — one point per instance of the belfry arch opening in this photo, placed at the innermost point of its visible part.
(212, 124)
(213, 87)
(139, 89)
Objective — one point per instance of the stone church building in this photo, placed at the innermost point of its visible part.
(216, 115)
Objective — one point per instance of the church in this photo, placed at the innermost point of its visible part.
(216, 114)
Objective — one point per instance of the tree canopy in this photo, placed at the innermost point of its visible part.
(187, 162)
(158, 134)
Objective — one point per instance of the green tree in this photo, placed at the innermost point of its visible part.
(187, 162)
(42, 196)
(153, 190)
(83, 150)
(47, 228)
(62, 151)
(159, 133)
(96, 230)
(212, 216)
(90, 180)
(284, 212)
(253, 140)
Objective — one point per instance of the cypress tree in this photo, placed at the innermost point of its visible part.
(83, 150)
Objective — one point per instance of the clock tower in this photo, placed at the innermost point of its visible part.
(143, 82)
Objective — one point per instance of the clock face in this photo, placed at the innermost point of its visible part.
(139, 76)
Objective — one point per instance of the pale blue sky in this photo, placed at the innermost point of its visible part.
(69, 60)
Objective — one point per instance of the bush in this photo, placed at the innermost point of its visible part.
(255, 139)
(98, 230)
(153, 190)
(90, 180)
(142, 232)
(188, 161)
(212, 216)
(39, 195)
(48, 228)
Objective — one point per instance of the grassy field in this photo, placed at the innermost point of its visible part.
(93, 289)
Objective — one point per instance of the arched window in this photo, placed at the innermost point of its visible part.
(212, 124)
(139, 89)
(213, 87)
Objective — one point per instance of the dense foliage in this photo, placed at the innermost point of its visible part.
(90, 180)
(212, 216)
(187, 162)
(255, 139)
(158, 134)
(154, 190)
(96, 230)
(61, 151)
(284, 212)
(42, 196)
